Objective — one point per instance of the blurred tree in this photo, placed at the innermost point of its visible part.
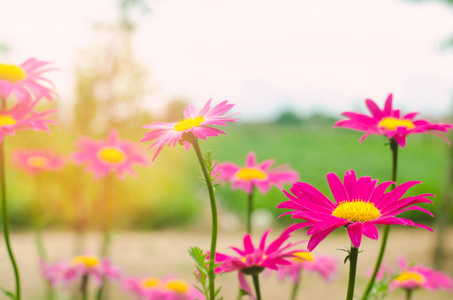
(288, 117)
(175, 109)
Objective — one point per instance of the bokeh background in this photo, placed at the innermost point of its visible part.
(290, 67)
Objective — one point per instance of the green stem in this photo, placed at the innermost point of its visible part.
(296, 285)
(49, 291)
(249, 211)
(84, 287)
(5, 219)
(106, 207)
(256, 283)
(394, 149)
(353, 256)
(211, 274)
(408, 294)
(100, 290)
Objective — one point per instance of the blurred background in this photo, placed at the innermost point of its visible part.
(291, 69)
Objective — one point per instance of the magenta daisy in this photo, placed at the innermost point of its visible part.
(253, 174)
(169, 288)
(25, 79)
(253, 260)
(111, 155)
(65, 274)
(390, 123)
(360, 206)
(196, 124)
(22, 116)
(38, 160)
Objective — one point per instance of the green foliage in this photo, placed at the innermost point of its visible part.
(9, 294)
(202, 265)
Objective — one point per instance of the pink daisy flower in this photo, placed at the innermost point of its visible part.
(25, 79)
(254, 174)
(152, 288)
(390, 123)
(360, 206)
(196, 124)
(111, 155)
(66, 274)
(325, 266)
(22, 116)
(253, 260)
(38, 160)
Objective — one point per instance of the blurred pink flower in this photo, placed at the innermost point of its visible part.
(26, 79)
(195, 125)
(325, 266)
(361, 205)
(111, 155)
(169, 288)
(389, 122)
(253, 260)
(253, 174)
(38, 160)
(65, 274)
(21, 117)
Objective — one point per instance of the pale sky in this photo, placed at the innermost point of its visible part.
(262, 55)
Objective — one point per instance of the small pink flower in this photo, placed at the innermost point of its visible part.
(21, 117)
(195, 125)
(111, 155)
(253, 260)
(38, 160)
(325, 266)
(66, 274)
(26, 79)
(390, 123)
(169, 288)
(360, 206)
(253, 174)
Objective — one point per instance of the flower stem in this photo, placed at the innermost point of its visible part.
(353, 256)
(249, 211)
(106, 208)
(256, 283)
(394, 149)
(409, 294)
(296, 285)
(5, 219)
(208, 180)
(84, 287)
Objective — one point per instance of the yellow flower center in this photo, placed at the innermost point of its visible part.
(303, 256)
(37, 161)
(88, 260)
(356, 210)
(111, 155)
(7, 120)
(186, 124)
(178, 286)
(393, 123)
(411, 276)
(12, 73)
(251, 173)
(150, 282)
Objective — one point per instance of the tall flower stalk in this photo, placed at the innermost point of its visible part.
(296, 285)
(250, 210)
(353, 257)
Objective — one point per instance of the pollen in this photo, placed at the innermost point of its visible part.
(186, 124)
(251, 173)
(356, 211)
(177, 285)
(7, 120)
(37, 161)
(391, 123)
(150, 282)
(88, 260)
(411, 276)
(111, 155)
(12, 73)
(303, 256)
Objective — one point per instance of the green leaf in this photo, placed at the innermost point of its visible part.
(8, 293)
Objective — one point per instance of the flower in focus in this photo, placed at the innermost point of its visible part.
(390, 123)
(253, 260)
(26, 79)
(22, 116)
(360, 206)
(152, 288)
(196, 124)
(111, 155)
(325, 266)
(38, 160)
(253, 174)
(66, 274)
